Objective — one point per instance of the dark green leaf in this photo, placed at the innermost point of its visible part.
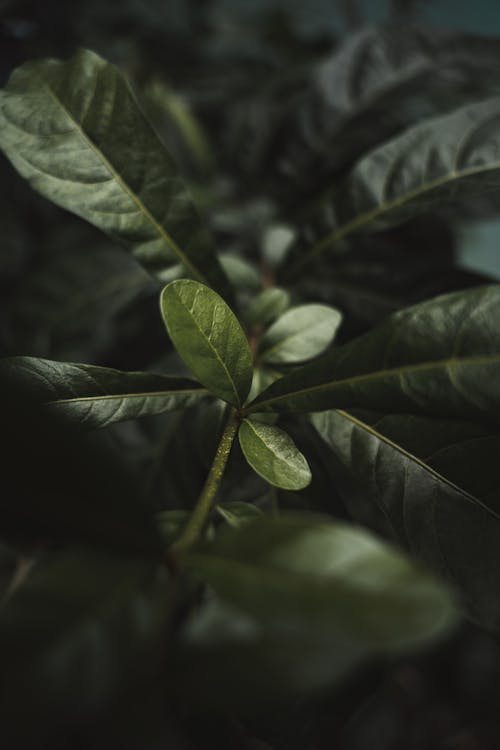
(99, 396)
(209, 338)
(436, 480)
(272, 453)
(441, 161)
(300, 333)
(441, 357)
(74, 130)
(74, 636)
(304, 600)
(266, 306)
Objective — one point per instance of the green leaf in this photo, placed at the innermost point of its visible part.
(99, 617)
(441, 357)
(304, 600)
(209, 338)
(300, 333)
(96, 397)
(74, 130)
(266, 306)
(436, 480)
(272, 453)
(441, 161)
(237, 513)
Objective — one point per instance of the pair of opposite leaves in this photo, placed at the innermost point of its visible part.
(212, 343)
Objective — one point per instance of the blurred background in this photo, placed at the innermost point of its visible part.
(218, 78)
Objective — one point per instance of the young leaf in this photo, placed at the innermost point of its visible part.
(74, 130)
(209, 338)
(316, 596)
(300, 333)
(238, 513)
(443, 160)
(101, 617)
(272, 453)
(440, 357)
(96, 397)
(266, 306)
(436, 480)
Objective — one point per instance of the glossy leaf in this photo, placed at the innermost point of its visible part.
(299, 334)
(439, 162)
(436, 480)
(74, 130)
(96, 397)
(267, 306)
(440, 358)
(209, 338)
(316, 596)
(101, 617)
(272, 453)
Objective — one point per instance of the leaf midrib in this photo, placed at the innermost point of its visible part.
(366, 377)
(365, 218)
(111, 396)
(165, 236)
(423, 465)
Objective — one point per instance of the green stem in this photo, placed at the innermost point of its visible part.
(199, 516)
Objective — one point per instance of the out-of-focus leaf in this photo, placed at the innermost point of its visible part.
(209, 338)
(436, 480)
(82, 627)
(96, 397)
(272, 453)
(240, 272)
(440, 162)
(439, 358)
(266, 306)
(237, 513)
(302, 601)
(75, 132)
(299, 334)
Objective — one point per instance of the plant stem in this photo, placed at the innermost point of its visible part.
(200, 514)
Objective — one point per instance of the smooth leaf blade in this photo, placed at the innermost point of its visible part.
(442, 161)
(209, 338)
(74, 130)
(439, 357)
(299, 334)
(95, 397)
(267, 306)
(322, 578)
(272, 453)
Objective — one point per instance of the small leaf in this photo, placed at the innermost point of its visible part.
(209, 338)
(74, 130)
(272, 453)
(300, 333)
(266, 306)
(238, 513)
(96, 397)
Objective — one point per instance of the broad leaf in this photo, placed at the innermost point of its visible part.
(98, 396)
(272, 453)
(440, 358)
(304, 601)
(436, 480)
(441, 161)
(300, 333)
(209, 338)
(267, 306)
(74, 130)
(82, 628)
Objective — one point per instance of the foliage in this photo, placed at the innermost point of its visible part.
(261, 356)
